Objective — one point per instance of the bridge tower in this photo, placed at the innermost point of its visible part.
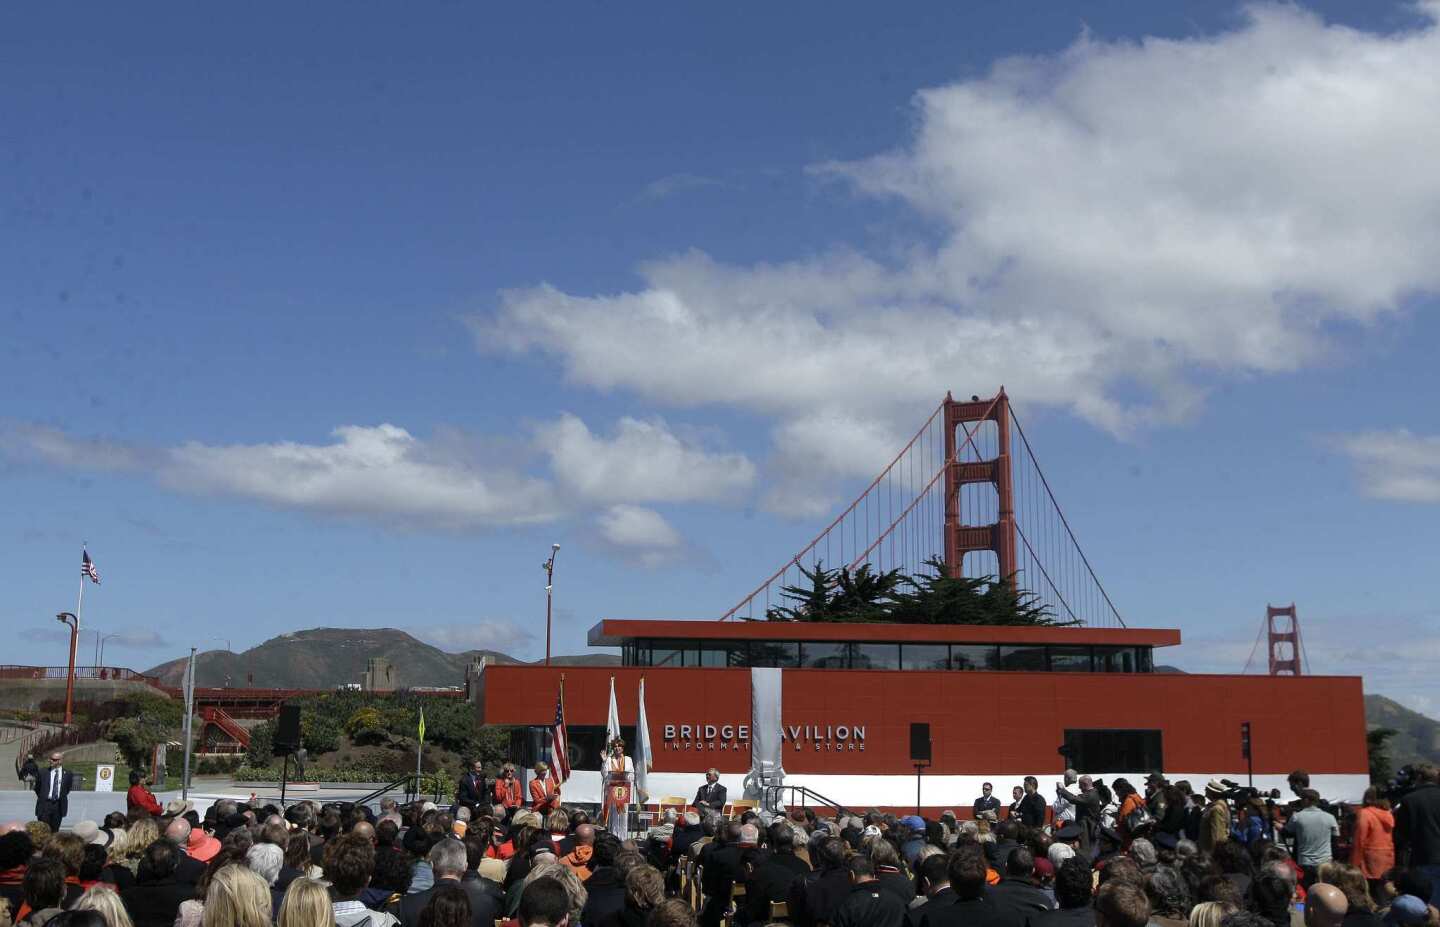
(1282, 625)
(999, 536)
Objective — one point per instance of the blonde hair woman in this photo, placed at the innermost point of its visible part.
(139, 836)
(306, 904)
(1209, 914)
(237, 898)
(103, 899)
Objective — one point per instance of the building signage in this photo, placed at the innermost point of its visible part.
(819, 738)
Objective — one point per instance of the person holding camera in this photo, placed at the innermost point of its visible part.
(1215, 819)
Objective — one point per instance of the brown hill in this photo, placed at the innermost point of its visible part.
(322, 658)
(1417, 737)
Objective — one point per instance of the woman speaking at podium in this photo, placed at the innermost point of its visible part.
(617, 776)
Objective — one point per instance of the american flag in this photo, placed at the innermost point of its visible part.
(560, 742)
(87, 567)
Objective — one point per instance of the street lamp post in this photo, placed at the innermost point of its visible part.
(100, 640)
(71, 621)
(549, 566)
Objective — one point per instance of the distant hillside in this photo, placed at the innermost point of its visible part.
(1418, 738)
(322, 658)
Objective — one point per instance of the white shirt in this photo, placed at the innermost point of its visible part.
(55, 783)
(1064, 808)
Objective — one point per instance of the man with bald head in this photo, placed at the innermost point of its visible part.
(364, 829)
(1325, 906)
(578, 858)
(187, 869)
(1088, 805)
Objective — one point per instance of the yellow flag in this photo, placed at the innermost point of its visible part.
(422, 725)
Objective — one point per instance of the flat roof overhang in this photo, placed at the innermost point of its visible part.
(615, 632)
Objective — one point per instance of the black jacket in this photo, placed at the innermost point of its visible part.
(484, 907)
(43, 803)
(188, 870)
(1065, 917)
(815, 898)
(1020, 897)
(683, 838)
(998, 852)
(155, 904)
(941, 899)
(974, 912)
(869, 905)
(472, 792)
(1032, 810)
(771, 881)
(1417, 826)
(896, 883)
(605, 894)
(712, 795)
(986, 803)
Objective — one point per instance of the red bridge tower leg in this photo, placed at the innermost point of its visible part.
(1000, 536)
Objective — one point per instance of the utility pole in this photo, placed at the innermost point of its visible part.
(549, 566)
(189, 714)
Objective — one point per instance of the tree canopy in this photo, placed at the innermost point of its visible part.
(866, 596)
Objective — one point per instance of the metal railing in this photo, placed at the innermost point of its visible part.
(412, 786)
(806, 797)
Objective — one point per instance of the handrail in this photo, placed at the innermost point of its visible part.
(410, 781)
(804, 792)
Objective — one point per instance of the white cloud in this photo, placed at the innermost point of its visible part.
(643, 461)
(639, 534)
(1396, 465)
(474, 635)
(671, 184)
(380, 472)
(1115, 223)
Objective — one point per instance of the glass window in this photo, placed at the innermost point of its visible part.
(1070, 659)
(715, 653)
(670, 653)
(784, 654)
(1115, 659)
(820, 655)
(924, 656)
(1114, 751)
(1144, 660)
(875, 656)
(1022, 658)
(974, 657)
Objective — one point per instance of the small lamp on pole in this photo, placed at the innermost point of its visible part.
(549, 567)
(69, 619)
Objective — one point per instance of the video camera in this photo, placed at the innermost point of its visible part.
(1402, 784)
(1244, 794)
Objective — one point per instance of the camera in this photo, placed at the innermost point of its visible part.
(1242, 794)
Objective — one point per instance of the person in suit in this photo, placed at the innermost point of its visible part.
(934, 881)
(52, 793)
(711, 795)
(968, 872)
(448, 860)
(987, 803)
(1016, 891)
(471, 792)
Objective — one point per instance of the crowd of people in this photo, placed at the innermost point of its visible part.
(1093, 856)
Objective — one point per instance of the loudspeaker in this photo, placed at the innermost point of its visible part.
(287, 731)
(919, 742)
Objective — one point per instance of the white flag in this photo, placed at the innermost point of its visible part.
(612, 723)
(644, 758)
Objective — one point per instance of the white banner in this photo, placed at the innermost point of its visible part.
(104, 778)
(766, 747)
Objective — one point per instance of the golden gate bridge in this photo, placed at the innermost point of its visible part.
(968, 491)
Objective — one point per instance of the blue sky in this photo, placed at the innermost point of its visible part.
(661, 284)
